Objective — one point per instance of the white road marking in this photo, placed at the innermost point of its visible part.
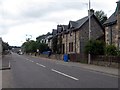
(64, 74)
(27, 59)
(9, 64)
(31, 61)
(40, 65)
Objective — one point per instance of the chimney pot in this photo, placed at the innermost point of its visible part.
(91, 12)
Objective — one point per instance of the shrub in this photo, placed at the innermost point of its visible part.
(95, 47)
(111, 50)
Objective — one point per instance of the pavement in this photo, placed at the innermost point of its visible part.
(101, 69)
(4, 65)
(6, 62)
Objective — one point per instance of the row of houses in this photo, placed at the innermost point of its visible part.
(74, 36)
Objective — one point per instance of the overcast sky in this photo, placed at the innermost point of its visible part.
(37, 17)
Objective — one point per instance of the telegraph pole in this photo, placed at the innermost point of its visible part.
(89, 56)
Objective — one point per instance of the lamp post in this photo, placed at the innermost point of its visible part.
(89, 56)
(28, 37)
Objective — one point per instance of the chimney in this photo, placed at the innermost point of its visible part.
(91, 12)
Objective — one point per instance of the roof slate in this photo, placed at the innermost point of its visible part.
(111, 20)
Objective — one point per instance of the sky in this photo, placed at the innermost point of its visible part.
(21, 19)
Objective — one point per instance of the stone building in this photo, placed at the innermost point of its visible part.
(112, 28)
(0, 46)
(75, 34)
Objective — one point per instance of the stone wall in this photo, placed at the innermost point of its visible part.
(118, 23)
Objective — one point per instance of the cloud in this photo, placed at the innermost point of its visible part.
(36, 17)
(40, 10)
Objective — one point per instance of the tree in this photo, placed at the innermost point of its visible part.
(95, 47)
(102, 17)
(42, 47)
(5, 46)
(32, 46)
(29, 46)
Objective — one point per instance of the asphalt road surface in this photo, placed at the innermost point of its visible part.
(33, 72)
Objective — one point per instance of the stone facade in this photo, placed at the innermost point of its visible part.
(118, 23)
(79, 37)
(112, 28)
(111, 34)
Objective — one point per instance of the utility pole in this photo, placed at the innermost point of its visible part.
(89, 56)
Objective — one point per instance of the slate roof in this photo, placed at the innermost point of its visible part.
(111, 20)
(65, 27)
(74, 25)
(80, 22)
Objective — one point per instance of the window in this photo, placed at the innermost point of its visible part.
(70, 33)
(71, 47)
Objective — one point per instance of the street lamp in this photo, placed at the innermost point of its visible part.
(89, 56)
(29, 37)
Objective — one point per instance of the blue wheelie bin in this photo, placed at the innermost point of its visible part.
(65, 57)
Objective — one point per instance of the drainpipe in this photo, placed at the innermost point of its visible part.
(75, 41)
(110, 35)
(66, 43)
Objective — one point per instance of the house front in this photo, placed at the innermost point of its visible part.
(76, 35)
(112, 28)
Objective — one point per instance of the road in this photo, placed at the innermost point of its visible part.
(33, 72)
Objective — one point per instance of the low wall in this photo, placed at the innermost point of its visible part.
(110, 61)
(53, 56)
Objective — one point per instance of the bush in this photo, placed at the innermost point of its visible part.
(95, 47)
(111, 50)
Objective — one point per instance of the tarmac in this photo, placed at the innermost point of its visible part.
(5, 65)
(102, 69)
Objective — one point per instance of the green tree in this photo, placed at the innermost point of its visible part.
(102, 17)
(32, 46)
(42, 47)
(29, 46)
(5, 46)
(95, 47)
